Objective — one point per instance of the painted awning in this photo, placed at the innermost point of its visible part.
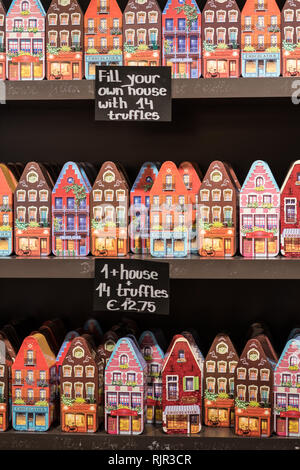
(124, 412)
(25, 58)
(182, 410)
(291, 233)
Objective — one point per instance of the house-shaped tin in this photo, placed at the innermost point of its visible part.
(253, 388)
(103, 40)
(191, 176)
(219, 369)
(181, 382)
(125, 389)
(218, 211)
(221, 39)
(32, 211)
(259, 212)
(154, 357)
(142, 33)
(139, 208)
(2, 41)
(79, 388)
(290, 38)
(70, 212)
(109, 202)
(170, 214)
(289, 212)
(287, 390)
(33, 385)
(260, 39)
(6, 360)
(64, 40)
(8, 185)
(25, 40)
(181, 38)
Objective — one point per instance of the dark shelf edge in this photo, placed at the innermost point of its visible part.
(193, 267)
(277, 87)
(152, 439)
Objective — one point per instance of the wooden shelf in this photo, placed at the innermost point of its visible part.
(193, 267)
(152, 439)
(181, 88)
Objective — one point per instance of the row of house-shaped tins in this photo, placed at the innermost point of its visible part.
(122, 383)
(169, 212)
(221, 42)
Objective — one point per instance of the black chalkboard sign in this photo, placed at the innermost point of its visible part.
(131, 286)
(133, 93)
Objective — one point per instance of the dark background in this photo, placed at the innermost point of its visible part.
(239, 131)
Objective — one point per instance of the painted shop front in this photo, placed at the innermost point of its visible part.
(5, 242)
(182, 418)
(73, 245)
(260, 243)
(30, 418)
(110, 242)
(217, 242)
(185, 67)
(291, 63)
(33, 241)
(260, 64)
(253, 421)
(290, 241)
(64, 66)
(145, 58)
(91, 60)
(165, 243)
(124, 421)
(4, 411)
(25, 67)
(287, 423)
(221, 64)
(79, 418)
(219, 412)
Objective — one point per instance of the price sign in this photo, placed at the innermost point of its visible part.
(131, 286)
(133, 93)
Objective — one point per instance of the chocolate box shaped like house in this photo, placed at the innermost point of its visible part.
(109, 203)
(2, 41)
(290, 38)
(125, 389)
(154, 357)
(260, 37)
(79, 388)
(181, 38)
(33, 385)
(8, 185)
(253, 385)
(170, 214)
(140, 208)
(259, 212)
(218, 382)
(221, 36)
(25, 40)
(64, 40)
(218, 208)
(103, 41)
(181, 380)
(142, 33)
(32, 211)
(70, 212)
(289, 213)
(287, 390)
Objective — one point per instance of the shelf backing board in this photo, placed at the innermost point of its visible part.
(193, 267)
(181, 88)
